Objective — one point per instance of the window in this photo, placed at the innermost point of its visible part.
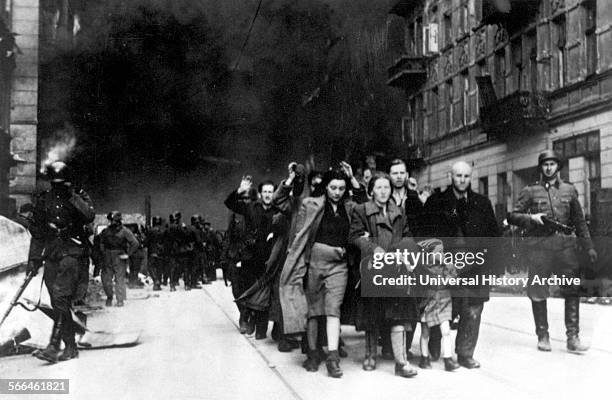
(561, 36)
(464, 18)
(590, 14)
(434, 106)
(531, 71)
(500, 73)
(483, 186)
(517, 64)
(449, 105)
(465, 78)
(448, 29)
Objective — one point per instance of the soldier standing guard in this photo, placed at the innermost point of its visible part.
(550, 211)
(58, 240)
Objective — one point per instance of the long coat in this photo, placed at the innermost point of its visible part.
(371, 229)
(441, 220)
(291, 289)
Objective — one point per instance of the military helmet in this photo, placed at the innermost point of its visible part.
(549, 155)
(156, 221)
(114, 216)
(58, 172)
(195, 219)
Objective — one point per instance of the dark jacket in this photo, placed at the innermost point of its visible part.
(58, 224)
(258, 225)
(442, 220)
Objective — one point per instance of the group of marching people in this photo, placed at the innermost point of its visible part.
(175, 250)
(297, 262)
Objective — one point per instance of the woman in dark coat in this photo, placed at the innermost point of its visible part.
(380, 226)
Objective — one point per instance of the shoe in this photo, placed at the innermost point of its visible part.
(250, 325)
(312, 361)
(333, 364)
(243, 326)
(260, 336)
(295, 344)
(119, 303)
(156, 287)
(369, 363)
(575, 346)
(109, 302)
(405, 370)
(468, 362)
(425, 363)
(70, 352)
(544, 342)
(450, 364)
(51, 352)
(284, 346)
(572, 322)
(196, 286)
(540, 317)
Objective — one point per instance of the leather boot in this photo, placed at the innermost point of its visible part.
(243, 323)
(70, 350)
(51, 353)
(333, 364)
(540, 317)
(435, 339)
(398, 344)
(572, 323)
(369, 362)
(450, 364)
(312, 361)
(425, 363)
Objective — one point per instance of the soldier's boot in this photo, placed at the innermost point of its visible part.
(540, 317)
(572, 321)
(371, 339)
(70, 350)
(51, 352)
(435, 340)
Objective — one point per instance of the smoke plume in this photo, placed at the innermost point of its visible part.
(59, 147)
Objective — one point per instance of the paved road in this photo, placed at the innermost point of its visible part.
(190, 349)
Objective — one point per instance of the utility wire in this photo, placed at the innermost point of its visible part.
(246, 40)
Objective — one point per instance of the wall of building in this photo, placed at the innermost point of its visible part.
(24, 98)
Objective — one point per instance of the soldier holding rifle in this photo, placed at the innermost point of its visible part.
(550, 211)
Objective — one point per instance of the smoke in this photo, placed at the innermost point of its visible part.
(59, 147)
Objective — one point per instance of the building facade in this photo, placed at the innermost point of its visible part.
(19, 45)
(496, 82)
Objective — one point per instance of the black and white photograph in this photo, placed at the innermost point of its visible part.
(305, 199)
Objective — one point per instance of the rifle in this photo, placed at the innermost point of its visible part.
(18, 294)
(555, 225)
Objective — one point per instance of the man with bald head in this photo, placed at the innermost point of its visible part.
(453, 216)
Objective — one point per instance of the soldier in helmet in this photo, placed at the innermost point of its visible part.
(58, 240)
(198, 251)
(183, 239)
(157, 243)
(117, 243)
(212, 248)
(550, 212)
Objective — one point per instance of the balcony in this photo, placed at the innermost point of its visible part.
(518, 114)
(509, 13)
(408, 73)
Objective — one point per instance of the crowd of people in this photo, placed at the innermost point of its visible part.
(174, 251)
(298, 251)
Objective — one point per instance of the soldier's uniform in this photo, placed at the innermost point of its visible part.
(183, 240)
(83, 280)
(157, 245)
(137, 259)
(58, 240)
(211, 253)
(117, 244)
(551, 249)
